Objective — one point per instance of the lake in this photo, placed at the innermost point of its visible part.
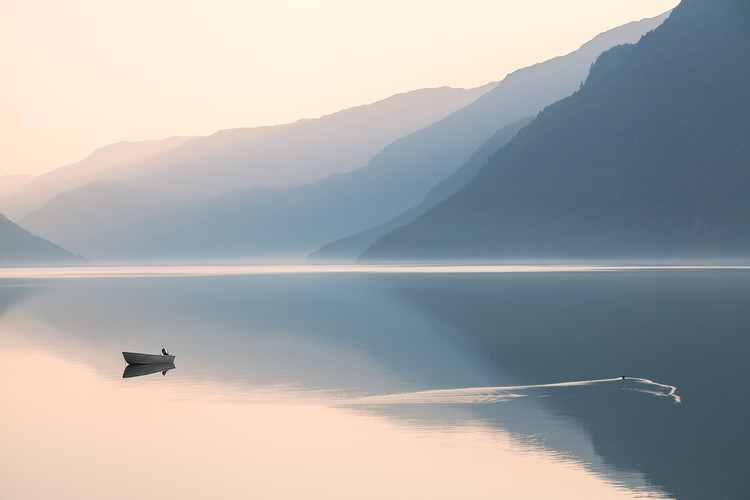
(376, 382)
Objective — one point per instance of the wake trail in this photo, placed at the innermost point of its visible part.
(672, 389)
(502, 393)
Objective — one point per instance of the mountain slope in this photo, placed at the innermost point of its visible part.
(523, 93)
(296, 153)
(10, 184)
(350, 247)
(297, 221)
(648, 159)
(97, 218)
(18, 247)
(304, 151)
(99, 165)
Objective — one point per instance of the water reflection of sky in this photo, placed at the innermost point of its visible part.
(70, 433)
(266, 364)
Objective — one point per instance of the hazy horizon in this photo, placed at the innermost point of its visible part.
(82, 75)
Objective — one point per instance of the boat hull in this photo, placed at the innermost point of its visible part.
(137, 358)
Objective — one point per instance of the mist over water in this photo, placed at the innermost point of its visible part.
(477, 384)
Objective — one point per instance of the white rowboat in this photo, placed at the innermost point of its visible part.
(136, 358)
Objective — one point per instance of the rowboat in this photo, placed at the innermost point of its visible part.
(136, 358)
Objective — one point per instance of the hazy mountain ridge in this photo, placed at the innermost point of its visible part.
(296, 221)
(522, 93)
(102, 164)
(18, 247)
(10, 184)
(303, 151)
(113, 212)
(351, 247)
(648, 159)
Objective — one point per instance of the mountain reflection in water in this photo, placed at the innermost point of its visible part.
(685, 327)
(456, 349)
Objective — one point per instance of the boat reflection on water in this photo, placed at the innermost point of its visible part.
(140, 370)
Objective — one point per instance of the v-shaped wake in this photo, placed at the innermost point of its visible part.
(505, 393)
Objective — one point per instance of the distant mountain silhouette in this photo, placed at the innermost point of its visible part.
(250, 221)
(102, 164)
(98, 218)
(296, 153)
(18, 247)
(297, 221)
(10, 184)
(648, 159)
(351, 247)
(448, 144)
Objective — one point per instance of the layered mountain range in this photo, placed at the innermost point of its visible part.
(18, 247)
(650, 158)
(296, 187)
(10, 184)
(349, 247)
(282, 155)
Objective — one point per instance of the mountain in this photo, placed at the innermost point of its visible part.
(352, 246)
(10, 184)
(294, 222)
(304, 151)
(449, 143)
(100, 165)
(272, 222)
(18, 247)
(648, 159)
(96, 218)
(296, 153)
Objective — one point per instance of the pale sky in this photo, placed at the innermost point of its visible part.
(76, 75)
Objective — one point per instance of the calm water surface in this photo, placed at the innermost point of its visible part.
(295, 382)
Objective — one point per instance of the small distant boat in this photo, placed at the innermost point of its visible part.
(137, 358)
